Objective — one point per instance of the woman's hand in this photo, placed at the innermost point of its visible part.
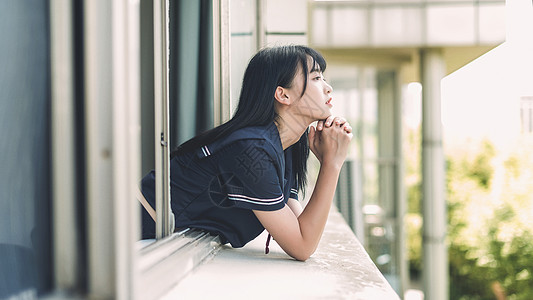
(330, 140)
(299, 234)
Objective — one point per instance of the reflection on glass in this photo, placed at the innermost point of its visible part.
(25, 250)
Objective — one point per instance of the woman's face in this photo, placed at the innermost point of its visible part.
(315, 104)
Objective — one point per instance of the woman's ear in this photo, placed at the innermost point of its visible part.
(282, 96)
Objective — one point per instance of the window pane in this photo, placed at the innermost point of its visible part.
(25, 251)
(147, 86)
(191, 69)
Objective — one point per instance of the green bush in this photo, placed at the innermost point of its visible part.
(490, 226)
(490, 242)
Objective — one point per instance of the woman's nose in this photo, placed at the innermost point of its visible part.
(329, 88)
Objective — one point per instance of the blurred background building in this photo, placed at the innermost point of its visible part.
(79, 80)
(375, 49)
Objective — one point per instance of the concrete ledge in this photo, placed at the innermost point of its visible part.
(339, 269)
(163, 264)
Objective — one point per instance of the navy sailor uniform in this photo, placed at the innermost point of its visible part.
(216, 187)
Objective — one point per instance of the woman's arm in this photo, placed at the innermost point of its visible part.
(295, 207)
(299, 236)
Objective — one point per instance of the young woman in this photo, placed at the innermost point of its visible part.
(244, 176)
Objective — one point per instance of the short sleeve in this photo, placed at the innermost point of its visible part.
(248, 177)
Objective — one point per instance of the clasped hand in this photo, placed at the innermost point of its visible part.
(330, 139)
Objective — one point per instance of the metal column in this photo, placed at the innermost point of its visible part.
(164, 224)
(111, 106)
(435, 256)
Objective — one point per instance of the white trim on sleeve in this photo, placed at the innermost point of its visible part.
(253, 200)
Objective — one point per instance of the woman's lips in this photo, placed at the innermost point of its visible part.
(329, 102)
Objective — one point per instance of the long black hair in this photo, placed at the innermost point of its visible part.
(268, 69)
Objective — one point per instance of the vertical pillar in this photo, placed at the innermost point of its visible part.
(66, 251)
(435, 256)
(164, 220)
(391, 193)
(221, 62)
(98, 83)
(111, 106)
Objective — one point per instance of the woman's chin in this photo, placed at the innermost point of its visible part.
(327, 112)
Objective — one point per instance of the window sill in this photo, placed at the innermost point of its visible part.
(164, 263)
(339, 269)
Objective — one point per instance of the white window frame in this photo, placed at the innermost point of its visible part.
(112, 97)
(63, 152)
(117, 266)
(164, 219)
(221, 61)
(111, 105)
(165, 262)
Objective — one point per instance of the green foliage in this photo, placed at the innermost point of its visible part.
(481, 169)
(467, 279)
(512, 263)
(490, 240)
(479, 166)
(512, 164)
(490, 221)
(414, 195)
(414, 249)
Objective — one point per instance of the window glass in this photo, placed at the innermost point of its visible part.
(147, 86)
(190, 69)
(25, 250)
(190, 75)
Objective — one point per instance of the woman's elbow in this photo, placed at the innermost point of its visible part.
(302, 255)
(301, 258)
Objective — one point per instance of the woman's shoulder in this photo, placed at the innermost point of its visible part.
(268, 133)
(254, 137)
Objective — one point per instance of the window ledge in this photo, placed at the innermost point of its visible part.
(339, 269)
(163, 264)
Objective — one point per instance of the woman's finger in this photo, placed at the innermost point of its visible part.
(313, 138)
(320, 125)
(329, 121)
(340, 121)
(311, 135)
(347, 127)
